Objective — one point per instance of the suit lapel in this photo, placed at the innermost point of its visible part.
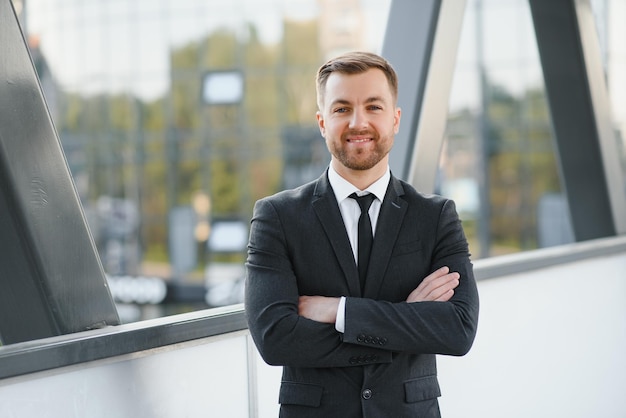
(327, 211)
(388, 226)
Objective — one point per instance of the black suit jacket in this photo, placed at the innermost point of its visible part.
(384, 363)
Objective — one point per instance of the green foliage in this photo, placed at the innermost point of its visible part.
(522, 167)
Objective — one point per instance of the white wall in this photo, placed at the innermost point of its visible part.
(550, 343)
(205, 378)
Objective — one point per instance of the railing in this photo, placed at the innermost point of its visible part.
(551, 337)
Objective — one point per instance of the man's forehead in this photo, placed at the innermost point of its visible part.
(371, 85)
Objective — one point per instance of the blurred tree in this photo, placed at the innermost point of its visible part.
(521, 165)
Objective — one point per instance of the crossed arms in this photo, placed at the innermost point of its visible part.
(438, 316)
(436, 287)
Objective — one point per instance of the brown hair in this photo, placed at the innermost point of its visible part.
(355, 63)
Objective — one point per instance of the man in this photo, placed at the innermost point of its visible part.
(352, 350)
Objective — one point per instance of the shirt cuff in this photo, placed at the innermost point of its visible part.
(340, 321)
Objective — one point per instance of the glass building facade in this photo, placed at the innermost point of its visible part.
(177, 115)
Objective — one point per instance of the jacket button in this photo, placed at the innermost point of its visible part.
(367, 393)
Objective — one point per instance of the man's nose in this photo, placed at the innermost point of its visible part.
(358, 120)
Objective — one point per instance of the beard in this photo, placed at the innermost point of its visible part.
(360, 158)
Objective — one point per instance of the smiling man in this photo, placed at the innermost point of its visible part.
(355, 299)
(358, 118)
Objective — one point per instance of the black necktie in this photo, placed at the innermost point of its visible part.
(365, 234)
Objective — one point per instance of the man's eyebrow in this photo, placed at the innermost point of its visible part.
(348, 102)
(340, 102)
(375, 99)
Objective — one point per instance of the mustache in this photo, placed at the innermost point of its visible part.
(362, 132)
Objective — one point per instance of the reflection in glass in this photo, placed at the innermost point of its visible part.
(498, 161)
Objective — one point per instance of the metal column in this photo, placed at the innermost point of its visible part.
(421, 42)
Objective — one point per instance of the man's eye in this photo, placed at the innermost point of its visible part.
(375, 107)
(341, 110)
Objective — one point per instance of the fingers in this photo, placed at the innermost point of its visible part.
(437, 286)
(436, 276)
(442, 289)
(445, 296)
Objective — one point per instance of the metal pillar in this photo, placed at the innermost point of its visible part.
(421, 42)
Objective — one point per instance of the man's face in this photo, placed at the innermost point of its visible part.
(359, 119)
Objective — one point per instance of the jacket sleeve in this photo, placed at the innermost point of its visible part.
(424, 327)
(271, 304)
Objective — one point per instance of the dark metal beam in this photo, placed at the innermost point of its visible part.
(421, 42)
(408, 42)
(51, 279)
(578, 101)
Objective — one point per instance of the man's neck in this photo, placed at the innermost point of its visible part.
(361, 179)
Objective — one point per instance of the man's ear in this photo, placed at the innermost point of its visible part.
(320, 123)
(396, 120)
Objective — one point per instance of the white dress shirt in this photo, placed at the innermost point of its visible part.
(350, 212)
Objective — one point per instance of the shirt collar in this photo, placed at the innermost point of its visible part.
(343, 188)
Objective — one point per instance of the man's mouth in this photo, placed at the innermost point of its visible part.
(359, 139)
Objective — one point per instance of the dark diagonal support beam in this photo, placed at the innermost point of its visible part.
(586, 143)
(51, 279)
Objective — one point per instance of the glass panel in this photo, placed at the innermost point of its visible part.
(498, 161)
(167, 173)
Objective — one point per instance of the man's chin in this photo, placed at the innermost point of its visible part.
(361, 165)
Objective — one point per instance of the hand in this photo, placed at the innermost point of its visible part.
(318, 308)
(438, 286)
